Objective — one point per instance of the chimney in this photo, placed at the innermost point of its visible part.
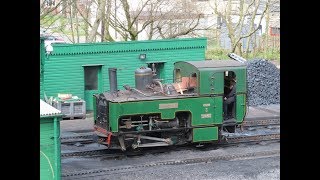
(113, 80)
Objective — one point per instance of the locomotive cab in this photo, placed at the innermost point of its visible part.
(214, 78)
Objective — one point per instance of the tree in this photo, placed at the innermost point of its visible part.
(235, 15)
(152, 18)
(156, 18)
(183, 18)
(99, 17)
(47, 7)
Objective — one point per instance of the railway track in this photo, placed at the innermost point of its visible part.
(83, 139)
(100, 152)
(78, 137)
(79, 141)
(250, 139)
(261, 122)
(253, 122)
(124, 169)
(115, 153)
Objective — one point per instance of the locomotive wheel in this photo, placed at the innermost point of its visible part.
(203, 146)
(132, 150)
(101, 139)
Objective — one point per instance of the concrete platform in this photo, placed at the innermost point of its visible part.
(263, 111)
(77, 125)
(84, 126)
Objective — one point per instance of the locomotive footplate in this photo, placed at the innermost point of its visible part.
(229, 122)
(229, 125)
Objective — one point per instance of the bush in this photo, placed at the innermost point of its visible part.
(269, 54)
(217, 53)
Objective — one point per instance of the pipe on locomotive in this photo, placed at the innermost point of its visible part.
(113, 80)
(156, 81)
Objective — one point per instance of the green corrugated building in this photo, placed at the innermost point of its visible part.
(50, 164)
(82, 69)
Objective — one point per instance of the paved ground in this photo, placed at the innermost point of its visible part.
(261, 168)
(244, 169)
(77, 125)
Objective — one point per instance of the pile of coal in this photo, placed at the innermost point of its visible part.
(263, 79)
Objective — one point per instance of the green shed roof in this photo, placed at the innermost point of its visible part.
(128, 46)
(47, 110)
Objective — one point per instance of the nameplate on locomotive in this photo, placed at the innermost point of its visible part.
(168, 106)
(203, 116)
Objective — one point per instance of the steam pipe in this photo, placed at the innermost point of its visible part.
(127, 87)
(160, 84)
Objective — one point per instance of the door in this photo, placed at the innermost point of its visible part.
(92, 84)
(240, 107)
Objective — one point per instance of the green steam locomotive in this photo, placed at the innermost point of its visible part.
(189, 110)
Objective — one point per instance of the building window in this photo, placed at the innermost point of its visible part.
(274, 31)
(158, 69)
(49, 2)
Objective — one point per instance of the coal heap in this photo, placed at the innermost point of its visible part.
(263, 79)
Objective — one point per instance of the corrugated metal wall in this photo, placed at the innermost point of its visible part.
(41, 88)
(64, 71)
(47, 156)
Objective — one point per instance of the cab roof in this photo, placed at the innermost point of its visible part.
(215, 63)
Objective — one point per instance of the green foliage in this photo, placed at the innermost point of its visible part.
(61, 24)
(269, 54)
(48, 20)
(219, 53)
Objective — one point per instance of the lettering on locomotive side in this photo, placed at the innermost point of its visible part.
(168, 106)
(203, 116)
(206, 105)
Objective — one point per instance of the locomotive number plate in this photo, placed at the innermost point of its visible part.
(203, 116)
(168, 106)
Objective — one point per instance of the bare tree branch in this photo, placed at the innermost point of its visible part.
(101, 9)
(84, 18)
(108, 36)
(139, 12)
(63, 8)
(251, 27)
(235, 30)
(44, 13)
(252, 32)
